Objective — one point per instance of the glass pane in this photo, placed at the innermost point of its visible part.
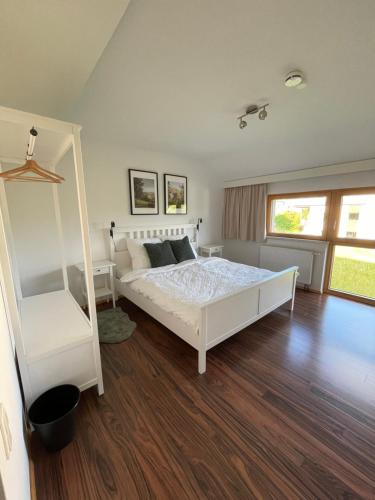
(357, 217)
(353, 271)
(304, 216)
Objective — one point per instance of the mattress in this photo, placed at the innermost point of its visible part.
(183, 289)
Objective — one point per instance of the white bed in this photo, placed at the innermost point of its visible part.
(203, 301)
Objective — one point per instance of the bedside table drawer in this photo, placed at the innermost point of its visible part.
(215, 249)
(100, 270)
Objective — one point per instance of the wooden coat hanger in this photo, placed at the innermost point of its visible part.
(31, 171)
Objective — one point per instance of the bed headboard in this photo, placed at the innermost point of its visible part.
(118, 236)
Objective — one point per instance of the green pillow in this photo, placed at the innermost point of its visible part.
(182, 249)
(160, 254)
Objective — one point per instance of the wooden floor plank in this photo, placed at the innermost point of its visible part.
(286, 409)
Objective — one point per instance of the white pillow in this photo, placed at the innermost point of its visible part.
(123, 259)
(138, 252)
(120, 273)
(179, 237)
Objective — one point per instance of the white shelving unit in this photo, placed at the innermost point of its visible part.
(55, 341)
(38, 316)
(100, 268)
(210, 250)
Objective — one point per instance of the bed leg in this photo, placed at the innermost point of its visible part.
(202, 346)
(201, 361)
(290, 305)
(100, 388)
(291, 302)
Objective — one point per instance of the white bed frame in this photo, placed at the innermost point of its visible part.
(220, 318)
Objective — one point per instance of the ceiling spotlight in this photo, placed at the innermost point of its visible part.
(252, 110)
(263, 113)
(295, 79)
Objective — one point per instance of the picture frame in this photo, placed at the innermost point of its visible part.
(144, 192)
(175, 194)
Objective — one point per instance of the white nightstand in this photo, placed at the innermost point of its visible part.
(211, 250)
(102, 268)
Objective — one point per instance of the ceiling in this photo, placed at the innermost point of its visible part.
(176, 74)
(48, 49)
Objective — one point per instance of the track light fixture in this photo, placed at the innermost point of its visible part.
(253, 109)
(262, 113)
(242, 123)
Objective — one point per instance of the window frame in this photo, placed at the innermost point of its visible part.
(331, 215)
(334, 218)
(305, 194)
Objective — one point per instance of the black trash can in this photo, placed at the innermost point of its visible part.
(52, 416)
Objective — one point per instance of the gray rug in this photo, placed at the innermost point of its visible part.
(114, 326)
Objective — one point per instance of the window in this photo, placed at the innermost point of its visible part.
(297, 215)
(345, 219)
(357, 212)
(353, 271)
(354, 216)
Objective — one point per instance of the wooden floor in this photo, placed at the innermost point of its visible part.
(285, 410)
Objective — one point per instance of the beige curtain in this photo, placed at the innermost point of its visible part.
(244, 215)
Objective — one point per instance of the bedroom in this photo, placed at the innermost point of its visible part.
(248, 399)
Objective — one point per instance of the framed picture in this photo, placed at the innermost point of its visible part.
(143, 187)
(175, 194)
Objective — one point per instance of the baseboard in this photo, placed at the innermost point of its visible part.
(98, 302)
(309, 289)
(312, 290)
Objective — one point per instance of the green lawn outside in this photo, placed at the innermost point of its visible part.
(354, 276)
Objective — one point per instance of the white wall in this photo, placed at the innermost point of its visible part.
(15, 471)
(248, 252)
(108, 190)
(106, 176)
(358, 179)
(35, 236)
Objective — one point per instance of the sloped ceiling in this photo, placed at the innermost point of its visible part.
(48, 49)
(176, 74)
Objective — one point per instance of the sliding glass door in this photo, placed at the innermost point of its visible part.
(351, 236)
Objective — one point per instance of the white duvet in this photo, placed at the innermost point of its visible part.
(184, 288)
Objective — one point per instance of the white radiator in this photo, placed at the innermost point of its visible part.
(279, 258)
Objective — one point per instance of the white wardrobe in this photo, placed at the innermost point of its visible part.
(56, 342)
